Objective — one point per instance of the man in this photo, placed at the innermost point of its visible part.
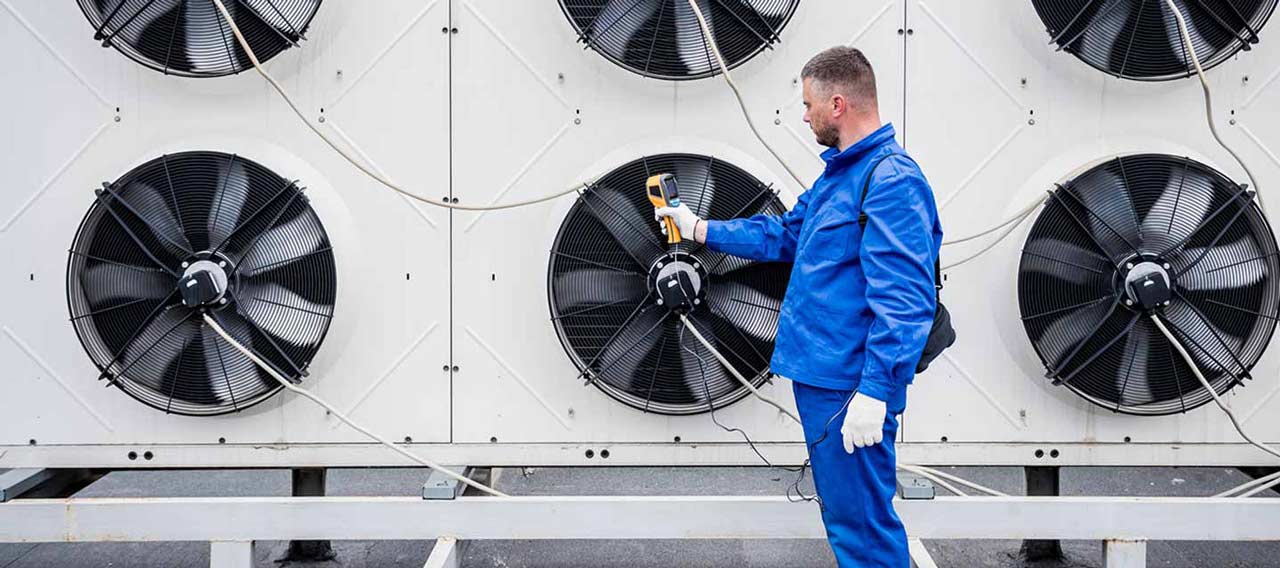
(859, 305)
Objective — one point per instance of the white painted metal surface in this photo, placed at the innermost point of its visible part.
(445, 554)
(231, 554)
(542, 518)
(1124, 554)
(511, 107)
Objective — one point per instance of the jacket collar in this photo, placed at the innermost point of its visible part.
(837, 159)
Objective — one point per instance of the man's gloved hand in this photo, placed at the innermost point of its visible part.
(684, 217)
(863, 422)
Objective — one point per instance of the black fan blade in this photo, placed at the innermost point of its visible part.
(228, 200)
(1132, 386)
(176, 383)
(631, 226)
(163, 220)
(626, 25)
(154, 347)
(585, 289)
(754, 19)
(1214, 349)
(1110, 215)
(107, 284)
(623, 355)
(745, 346)
(697, 188)
(294, 238)
(1179, 210)
(262, 304)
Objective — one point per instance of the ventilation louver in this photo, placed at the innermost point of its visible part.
(1149, 232)
(189, 38)
(195, 233)
(662, 39)
(1139, 39)
(604, 264)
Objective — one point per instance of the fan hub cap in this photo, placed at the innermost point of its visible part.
(1147, 284)
(667, 266)
(203, 283)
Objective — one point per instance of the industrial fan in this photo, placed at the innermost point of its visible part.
(1139, 39)
(191, 39)
(189, 234)
(662, 39)
(605, 263)
(1149, 234)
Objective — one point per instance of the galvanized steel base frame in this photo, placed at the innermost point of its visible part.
(232, 524)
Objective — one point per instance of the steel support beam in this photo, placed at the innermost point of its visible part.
(445, 554)
(472, 518)
(920, 557)
(309, 482)
(1042, 482)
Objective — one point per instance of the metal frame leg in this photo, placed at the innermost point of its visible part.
(1041, 482)
(236, 554)
(1124, 554)
(920, 557)
(309, 482)
(445, 554)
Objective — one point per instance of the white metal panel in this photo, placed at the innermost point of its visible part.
(996, 117)
(534, 112)
(389, 338)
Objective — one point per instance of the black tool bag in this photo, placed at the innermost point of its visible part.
(941, 335)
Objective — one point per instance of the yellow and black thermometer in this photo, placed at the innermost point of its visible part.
(663, 193)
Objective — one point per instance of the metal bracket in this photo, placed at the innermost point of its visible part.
(913, 487)
(440, 487)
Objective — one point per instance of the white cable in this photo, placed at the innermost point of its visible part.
(992, 244)
(334, 411)
(257, 65)
(936, 479)
(1195, 369)
(734, 371)
(1259, 489)
(1208, 99)
(960, 480)
(737, 94)
(1019, 216)
(1251, 483)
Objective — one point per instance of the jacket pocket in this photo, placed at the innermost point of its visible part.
(831, 242)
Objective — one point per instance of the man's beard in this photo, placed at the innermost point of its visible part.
(827, 134)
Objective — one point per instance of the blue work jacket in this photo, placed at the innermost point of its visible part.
(860, 302)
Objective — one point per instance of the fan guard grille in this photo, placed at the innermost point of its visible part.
(605, 313)
(189, 38)
(134, 244)
(1170, 211)
(662, 39)
(1139, 39)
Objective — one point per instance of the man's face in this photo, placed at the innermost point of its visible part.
(819, 108)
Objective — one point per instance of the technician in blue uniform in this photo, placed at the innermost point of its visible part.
(859, 305)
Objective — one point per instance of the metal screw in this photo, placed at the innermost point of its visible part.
(1128, 266)
(222, 264)
(577, 121)
(453, 30)
(455, 368)
(1128, 302)
(560, 77)
(322, 120)
(777, 121)
(696, 301)
(444, 30)
(117, 118)
(186, 264)
(1023, 81)
(1244, 80)
(445, 368)
(571, 412)
(659, 301)
(1233, 122)
(1031, 121)
(222, 301)
(1166, 266)
(339, 74)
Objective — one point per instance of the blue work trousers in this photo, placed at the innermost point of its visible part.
(856, 489)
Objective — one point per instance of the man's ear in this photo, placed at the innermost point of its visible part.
(839, 106)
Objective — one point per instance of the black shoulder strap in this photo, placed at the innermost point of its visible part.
(862, 215)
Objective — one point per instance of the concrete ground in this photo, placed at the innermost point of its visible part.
(607, 554)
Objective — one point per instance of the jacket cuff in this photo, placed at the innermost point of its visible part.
(715, 234)
(876, 384)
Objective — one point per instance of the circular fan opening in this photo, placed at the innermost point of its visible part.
(1139, 39)
(192, 234)
(662, 39)
(1159, 218)
(189, 38)
(605, 310)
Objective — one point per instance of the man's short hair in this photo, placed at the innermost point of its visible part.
(845, 70)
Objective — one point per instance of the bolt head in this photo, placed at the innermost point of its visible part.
(1128, 266)
(1128, 302)
(222, 264)
(186, 264)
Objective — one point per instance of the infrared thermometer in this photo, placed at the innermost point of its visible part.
(663, 193)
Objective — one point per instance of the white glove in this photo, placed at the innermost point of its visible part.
(863, 422)
(684, 217)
